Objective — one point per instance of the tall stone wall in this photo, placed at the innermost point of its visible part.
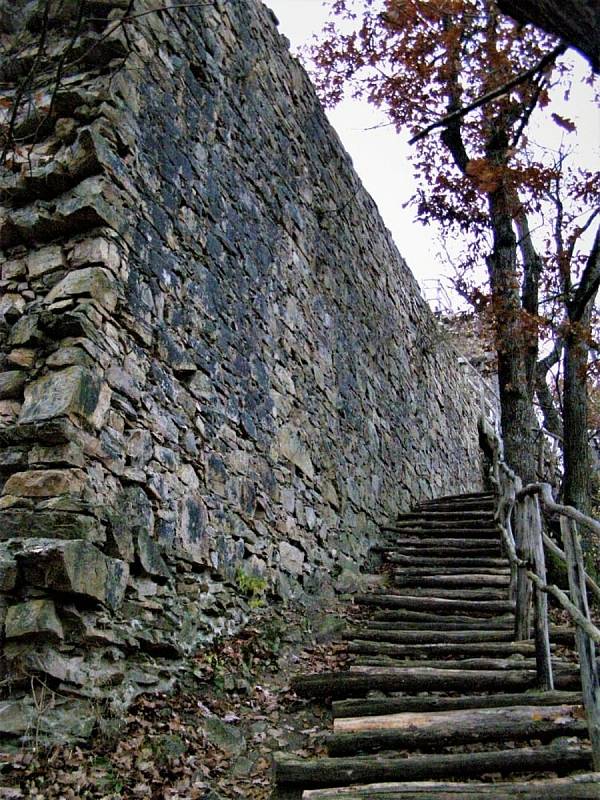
(217, 374)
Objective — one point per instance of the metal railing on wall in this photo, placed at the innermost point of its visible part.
(519, 515)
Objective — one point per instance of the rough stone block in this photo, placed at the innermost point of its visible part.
(19, 523)
(70, 455)
(293, 448)
(96, 251)
(191, 537)
(291, 559)
(13, 269)
(36, 617)
(47, 259)
(12, 305)
(22, 357)
(8, 569)
(11, 383)
(91, 282)
(75, 567)
(74, 390)
(45, 483)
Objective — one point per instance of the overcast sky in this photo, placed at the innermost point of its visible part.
(380, 155)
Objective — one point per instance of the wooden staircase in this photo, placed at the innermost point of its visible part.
(439, 700)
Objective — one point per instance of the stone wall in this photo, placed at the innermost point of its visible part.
(217, 374)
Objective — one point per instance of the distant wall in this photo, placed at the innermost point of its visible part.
(214, 362)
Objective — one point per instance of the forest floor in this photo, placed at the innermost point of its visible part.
(212, 738)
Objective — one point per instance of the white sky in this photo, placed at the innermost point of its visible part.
(381, 155)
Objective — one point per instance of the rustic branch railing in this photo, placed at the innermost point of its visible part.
(519, 516)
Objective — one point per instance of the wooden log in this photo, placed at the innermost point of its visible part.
(448, 638)
(322, 772)
(397, 623)
(540, 599)
(370, 657)
(449, 571)
(575, 787)
(474, 607)
(439, 650)
(524, 591)
(586, 649)
(352, 735)
(444, 560)
(340, 684)
(452, 593)
(364, 707)
(447, 544)
(450, 580)
(407, 615)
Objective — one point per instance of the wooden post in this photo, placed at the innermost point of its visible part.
(524, 588)
(590, 682)
(540, 599)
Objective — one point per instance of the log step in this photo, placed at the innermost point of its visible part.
(410, 541)
(352, 735)
(450, 593)
(444, 561)
(365, 644)
(444, 606)
(323, 772)
(362, 707)
(450, 571)
(368, 656)
(346, 684)
(459, 580)
(576, 787)
(429, 637)
(396, 622)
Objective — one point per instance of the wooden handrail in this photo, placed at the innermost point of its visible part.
(525, 551)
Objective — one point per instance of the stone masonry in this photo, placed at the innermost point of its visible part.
(216, 371)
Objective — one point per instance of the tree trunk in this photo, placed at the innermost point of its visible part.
(519, 426)
(575, 21)
(576, 451)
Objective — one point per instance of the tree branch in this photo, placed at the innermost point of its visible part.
(444, 122)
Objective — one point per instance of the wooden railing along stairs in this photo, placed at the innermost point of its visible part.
(449, 693)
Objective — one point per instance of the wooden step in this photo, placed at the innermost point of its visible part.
(576, 787)
(361, 707)
(322, 772)
(428, 571)
(443, 561)
(501, 621)
(421, 637)
(450, 593)
(364, 658)
(346, 684)
(457, 650)
(443, 606)
(449, 581)
(445, 544)
(412, 731)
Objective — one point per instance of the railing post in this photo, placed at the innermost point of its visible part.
(524, 590)
(540, 599)
(590, 683)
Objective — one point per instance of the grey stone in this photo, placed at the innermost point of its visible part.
(74, 390)
(35, 617)
(75, 567)
(291, 559)
(19, 523)
(11, 383)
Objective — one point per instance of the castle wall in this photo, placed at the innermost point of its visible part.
(218, 377)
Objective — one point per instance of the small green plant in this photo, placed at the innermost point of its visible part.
(253, 586)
